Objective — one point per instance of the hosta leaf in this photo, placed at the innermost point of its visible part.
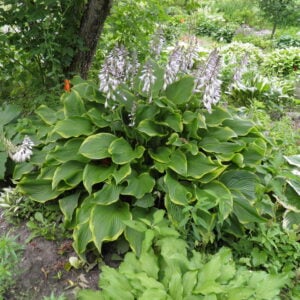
(73, 104)
(151, 128)
(178, 193)
(295, 185)
(8, 112)
(93, 174)
(122, 153)
(145, 202)
(173, 120)
(242, 181)
(181, 91)
(244, 210)
(221, 133)
(97, 118)
(82, 236)
(293, 160)
(74, 127)
(47, 114)
(161, 154)
(291, 219)
(213, 174)
(121, 173)
(178, 162)
(68, 151)
(217, 117)
(213, 145)
(96, 146)
(106, 222)
(255, 152)
(107, 195)
(175, 212)
(199, 165)
(138, 186)
(3, 158)
(176, 286)
(67, 171)
(239, 126)
(39, 190)
(68, 205)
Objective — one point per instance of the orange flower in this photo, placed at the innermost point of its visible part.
(67, 85)
(181, 20)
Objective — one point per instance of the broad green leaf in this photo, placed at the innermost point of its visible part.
(68, 205)
(82, 236)
(213, 145)
(67, 151)
(178, 162)
(189, 281)
(74, 127)
(176, 286)
(293, 160)
(146, 112)
(97, 118)
(3, 158)
(90, 295)
(181, 91)
(216, 117)
(122, 153)
(107, 195)
(106, 222)
(20, 169)
(161, 154)
(295, 185)
(291, 220)
(255, 152)
(93, 174)
(121, 173)
(221, 133)
(96, 146)
(173, 120)
(138, 186)
(242, 181)
(73, 104)
(8, 113)
(244, 210)
(239, 126)
(47, 114)
(213, 174)
(152, 128)
(178, 193)
(175, 212)
(199, 165)
(66, 172)
(39, 190)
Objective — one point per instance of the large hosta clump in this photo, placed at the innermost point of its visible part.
(108, 161)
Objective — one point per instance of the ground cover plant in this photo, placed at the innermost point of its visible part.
(176, 153)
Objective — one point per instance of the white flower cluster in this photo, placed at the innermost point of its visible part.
(240, 70)
(19, 153)
(157, 43)
(113, 71)
(207, 79)
(148, 78)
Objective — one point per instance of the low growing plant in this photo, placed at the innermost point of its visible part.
(9, 257)
(164, 270)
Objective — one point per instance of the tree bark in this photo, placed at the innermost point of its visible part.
(94, 16)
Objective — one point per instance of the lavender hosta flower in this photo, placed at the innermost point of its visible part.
(240, 70)
(132, 69)
(113, 71)
(18, 153)
(173, 66)
(190, 54)
(207, 80)
(148, 78)
(157, 43)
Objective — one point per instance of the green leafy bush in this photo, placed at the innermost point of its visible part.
(9, 258)
(164, 270)
(286, 41)
(282, 62)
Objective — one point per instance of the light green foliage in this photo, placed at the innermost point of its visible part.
(53, 297)
(176, 156)
(164, 270)
(282, 62)
(271, 248)
(9, 258)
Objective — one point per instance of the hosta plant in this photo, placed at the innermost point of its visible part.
(149, 143)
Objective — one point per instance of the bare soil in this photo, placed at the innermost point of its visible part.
(43, 268)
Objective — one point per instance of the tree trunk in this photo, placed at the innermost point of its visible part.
(274, 29)
(94, 16)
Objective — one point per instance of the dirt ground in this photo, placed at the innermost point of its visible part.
(43, 268)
